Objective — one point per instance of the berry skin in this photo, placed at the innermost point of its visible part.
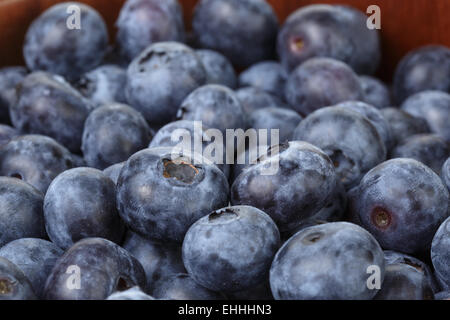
(337, 32)
(162, 192)
(253, 99)
(183, 287)
(112, 134)
(219, 69)
(285, 120)
(402, 125)
(10, 78)
(347, 137)
(160, 78)
(113, 171)
(48, 105)
(144, 22)
(440, 255)
(74, 204)
(376, 93)
(103, 267)
(269, 76)
(401, 202)
(187, 134)
(333, 211)
(231, 249)
(35, 257)
(14, 285)
(103, 85)
(21, 213)
(159, 260)
(445, 173)
(392, 257)
(301, 185)
(35, 159)
(51, 46)
(244, 31)
(434, 107)
(375, 117)
(260, 292)
(404, 282)
(215, 106)
(430, 149)
(423, 69)
(321, 82)
(326, 262)
(7, 133)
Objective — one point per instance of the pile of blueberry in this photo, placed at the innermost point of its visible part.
(94, 204)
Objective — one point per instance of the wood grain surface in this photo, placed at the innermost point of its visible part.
(405, 24)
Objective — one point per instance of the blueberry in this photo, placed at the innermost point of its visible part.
(219, 69)
(321, 82)
(35, 257)
(326, 262)
(183, 287)
(144, 22)
(186, 134)
(48, 105)
(10, 78)
(35, 159)
(103, 85)
(376, 93)
(50, 45)
(282, 119)
(347, 137)
(215, 106)
(134, 293)
(112, 134)
(445, 173)
(401, 202)
(21, 213)
(252, 99)
(374, 116)
(434, 107)
(14, 285)
(93, 269)
(269, 76)
(231, 249)
(160, 78)
(440, 255)
(162, 192)
(301, 184)
(336, 32)
(402, 125)
(243, 30)
(159, 260)
(426, 68)
(76, 201)
(404, 282)
(113, 171)
(430, 149)
(392, 257)
(7, 133)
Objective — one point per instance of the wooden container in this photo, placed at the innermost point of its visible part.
(405, 24)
